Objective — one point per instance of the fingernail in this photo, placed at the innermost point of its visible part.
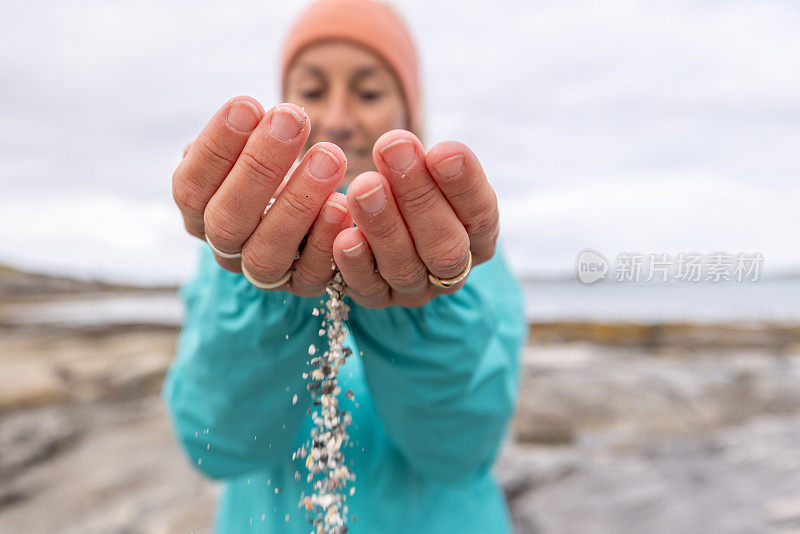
(354, 252)
(399, 154)
(286, 123)
(334, 213)
(322, 164)
(451, 166)
(243, 116)
(373, 200)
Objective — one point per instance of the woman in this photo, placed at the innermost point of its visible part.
(435, 323)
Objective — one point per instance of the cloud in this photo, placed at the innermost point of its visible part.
(662, 212)
(628, 110)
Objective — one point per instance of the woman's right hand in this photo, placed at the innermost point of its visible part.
(235, 166)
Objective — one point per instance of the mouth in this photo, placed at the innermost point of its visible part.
(355, 153)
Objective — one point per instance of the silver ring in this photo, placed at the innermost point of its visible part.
(266, 285)
(221, 254)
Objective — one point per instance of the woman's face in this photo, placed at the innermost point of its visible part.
(351, 97)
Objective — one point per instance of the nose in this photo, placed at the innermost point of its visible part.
(338, 123)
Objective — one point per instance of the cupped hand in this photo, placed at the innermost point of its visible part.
(235, 166)
(419, 213)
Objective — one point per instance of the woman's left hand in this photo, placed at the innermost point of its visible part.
(419, 213)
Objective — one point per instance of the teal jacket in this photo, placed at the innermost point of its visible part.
(434, 386)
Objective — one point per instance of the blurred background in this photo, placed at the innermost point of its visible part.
(621, 126)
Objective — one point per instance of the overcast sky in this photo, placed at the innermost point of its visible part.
(618, 125)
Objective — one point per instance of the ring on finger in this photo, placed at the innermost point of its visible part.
(266, 285)
(269, 205)
(222, 254)
(450, 282)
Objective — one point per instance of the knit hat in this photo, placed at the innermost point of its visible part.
(371, 24)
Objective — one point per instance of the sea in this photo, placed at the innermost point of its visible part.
(618, 126)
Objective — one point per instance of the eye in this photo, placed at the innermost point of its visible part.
(369, 96)
(311, 94)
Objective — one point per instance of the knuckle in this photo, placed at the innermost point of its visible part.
(187, 197)
(386, 230)
(319, 247)
(484, 223)
(306, 278)
(372, 288)
(419, 198)
(193, 230)
(299, 206)
(408, 277)
(214, 155)
(264, 271)
(467, 193)
(258, 168)
(450, 256)
(222, 227)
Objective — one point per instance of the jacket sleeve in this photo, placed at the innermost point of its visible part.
(239, 360)
(443, 377)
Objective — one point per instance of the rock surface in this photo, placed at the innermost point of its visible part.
(100, 457)
(657, 442)
(676, 437)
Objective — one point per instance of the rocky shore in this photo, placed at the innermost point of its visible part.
(635, 428)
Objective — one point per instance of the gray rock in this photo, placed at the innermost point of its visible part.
(32, 436)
